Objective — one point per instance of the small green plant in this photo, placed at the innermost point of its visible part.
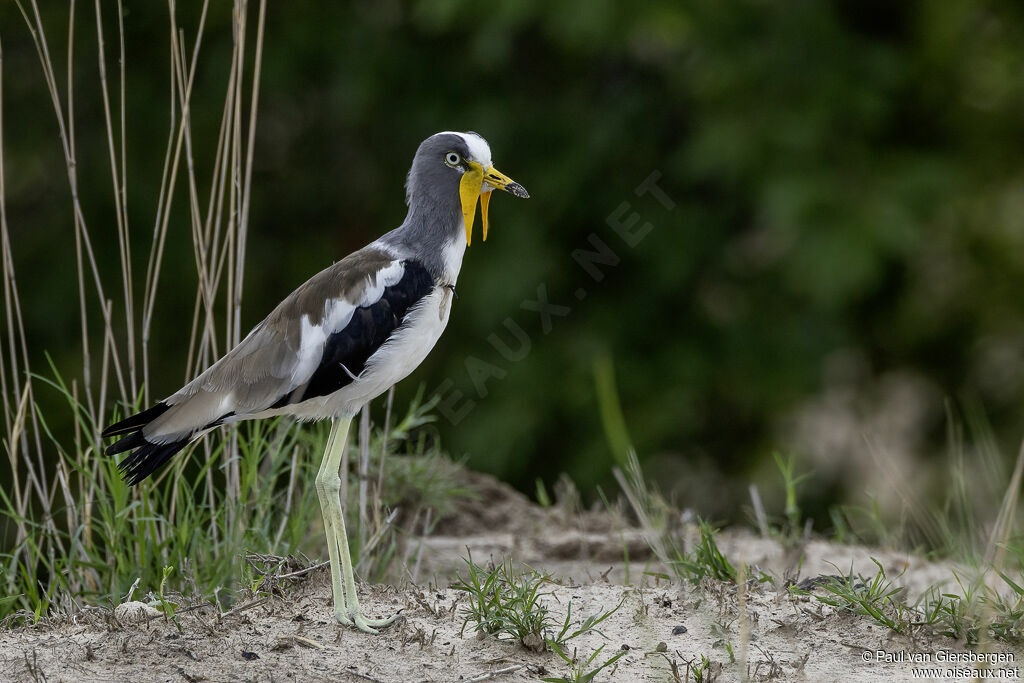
(167, 606)
(579, 671)
(1007, 621)
(793, 529)
(876, 597)
(706, 559)
(586, 626)
(543, 499)
(703, 671)
(666, 536)
(976, 609)
(252, 579)
(504, 603)
(841, 532)
(950, 614)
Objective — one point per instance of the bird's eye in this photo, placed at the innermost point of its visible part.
(452, 159)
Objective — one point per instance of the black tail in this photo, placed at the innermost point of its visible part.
(147, 457)
(134, 423)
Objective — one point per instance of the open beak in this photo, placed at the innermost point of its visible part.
(477, 183)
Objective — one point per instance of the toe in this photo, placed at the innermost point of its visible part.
(365, 627)
(381, 622)
(370, 625)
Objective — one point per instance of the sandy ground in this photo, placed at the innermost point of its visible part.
(291, 635)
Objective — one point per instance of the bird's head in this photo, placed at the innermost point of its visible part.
(449, 165)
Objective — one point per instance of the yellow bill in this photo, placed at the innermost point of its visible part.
(470, 189)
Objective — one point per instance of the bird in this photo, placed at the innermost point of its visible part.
(341, 339)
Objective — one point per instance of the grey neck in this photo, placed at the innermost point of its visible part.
(428, 228)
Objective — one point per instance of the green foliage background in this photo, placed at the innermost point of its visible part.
(846, 176)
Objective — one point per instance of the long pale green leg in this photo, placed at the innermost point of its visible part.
(328, 489)
(328, 483)
(352, 600)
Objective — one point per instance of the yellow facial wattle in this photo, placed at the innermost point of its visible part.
(469, 192)
(485, 201)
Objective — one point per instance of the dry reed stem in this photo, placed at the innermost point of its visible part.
(364, 470)
(219, 235)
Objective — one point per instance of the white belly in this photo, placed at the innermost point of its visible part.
(390, 364)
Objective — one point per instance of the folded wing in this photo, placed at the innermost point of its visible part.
(316, 342)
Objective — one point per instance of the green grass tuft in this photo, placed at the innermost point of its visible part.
(504, 603)
(876, 597)
(705, 559)
(579, 667)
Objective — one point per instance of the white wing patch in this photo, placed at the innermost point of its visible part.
(311, 346)
(337, 315)
(385, 278)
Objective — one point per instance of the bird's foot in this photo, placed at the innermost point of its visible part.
(365, 625)
(342, 617)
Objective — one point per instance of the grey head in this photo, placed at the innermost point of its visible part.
(438, 166)
(442, 197)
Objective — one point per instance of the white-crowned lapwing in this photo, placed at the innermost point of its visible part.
(340, 340)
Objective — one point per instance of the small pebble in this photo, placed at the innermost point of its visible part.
(662, 647)
(624, 648)
(249, 656)
(679, 630)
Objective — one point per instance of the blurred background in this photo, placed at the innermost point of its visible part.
(833, 268)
